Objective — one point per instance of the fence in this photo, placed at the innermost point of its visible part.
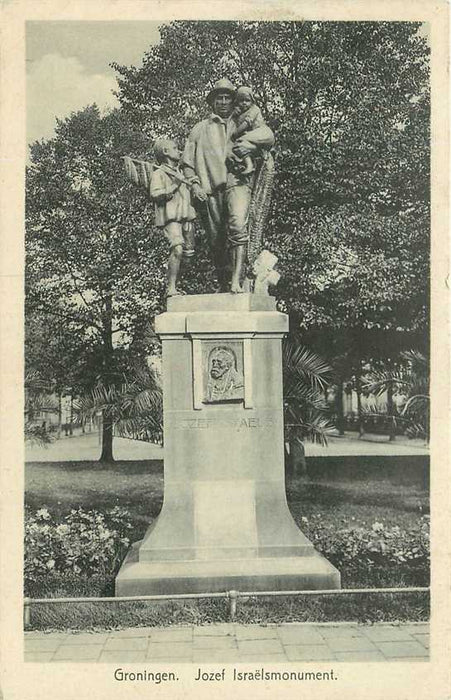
(232, 596)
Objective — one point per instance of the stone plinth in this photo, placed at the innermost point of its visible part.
(225, 522)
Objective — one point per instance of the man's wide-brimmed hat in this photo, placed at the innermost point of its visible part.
(222, 85)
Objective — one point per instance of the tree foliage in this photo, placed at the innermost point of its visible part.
(37, 401)
(349, 104)
(135, 408)
(95, 270)
(90, 238)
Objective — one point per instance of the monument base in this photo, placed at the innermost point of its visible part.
(225, 522)
(213, 576)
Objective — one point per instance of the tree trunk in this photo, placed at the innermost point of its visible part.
(288, 464)
(339, 408)
(60, 415)
(108, 378)
(295, 463)
(390, 412)
(107, 441)
(297, 454)
(71, 424)
(358, 389)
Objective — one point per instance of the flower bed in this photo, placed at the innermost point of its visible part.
(84, 543)
(402, 555)
(93, 544)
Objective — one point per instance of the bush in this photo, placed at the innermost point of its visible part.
(359, 552)
(375, 423)
(92, 545)
(84, 543)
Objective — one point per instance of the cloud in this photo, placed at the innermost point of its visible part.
(57, 86)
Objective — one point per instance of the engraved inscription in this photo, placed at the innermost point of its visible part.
(234, 423)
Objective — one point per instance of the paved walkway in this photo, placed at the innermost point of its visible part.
(351, 444)
(86, 448)
(234, 643)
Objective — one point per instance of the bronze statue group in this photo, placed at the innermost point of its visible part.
(223, 177)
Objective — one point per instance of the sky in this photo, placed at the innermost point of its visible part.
(68, 66)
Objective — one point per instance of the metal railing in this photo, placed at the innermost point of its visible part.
(232, 596)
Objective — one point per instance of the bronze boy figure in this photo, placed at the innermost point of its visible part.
(170, 191)
(173, 211)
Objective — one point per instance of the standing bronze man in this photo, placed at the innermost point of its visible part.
(222, 197)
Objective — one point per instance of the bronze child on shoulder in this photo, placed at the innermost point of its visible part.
(247, 117)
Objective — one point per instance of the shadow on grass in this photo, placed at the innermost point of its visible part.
(144, 466)
(138, 487)
(378, 493)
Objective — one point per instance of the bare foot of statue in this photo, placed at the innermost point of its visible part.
(236, 288)
(174, 293)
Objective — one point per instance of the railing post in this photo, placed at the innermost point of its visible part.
(26, 613)
(233, 596)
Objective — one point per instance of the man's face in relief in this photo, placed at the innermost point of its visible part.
(222, 104)
(219, 366)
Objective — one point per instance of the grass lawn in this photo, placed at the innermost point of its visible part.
(60, 486)
(138, 487)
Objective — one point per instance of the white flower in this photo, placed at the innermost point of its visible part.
(44, 514)
(377, 527)
(50, 564)
(63, 529)
(304, 519)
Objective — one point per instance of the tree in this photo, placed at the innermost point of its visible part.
(349, 220)
(349, 103)
(348, 100)
(94, 260)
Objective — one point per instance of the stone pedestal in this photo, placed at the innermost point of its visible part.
(225, 522)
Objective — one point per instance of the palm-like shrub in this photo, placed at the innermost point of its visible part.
(135, 408)
(305, 376)
(411, 380)
(38, 400)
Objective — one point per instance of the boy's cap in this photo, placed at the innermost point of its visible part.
(222, 85)
(159, 147)
(244, 90)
